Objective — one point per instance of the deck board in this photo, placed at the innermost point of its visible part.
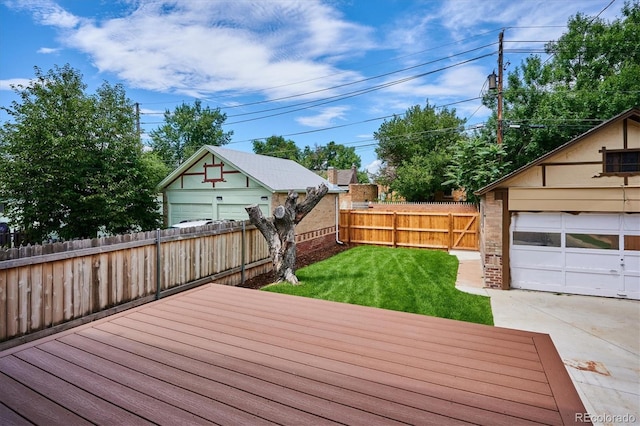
(225, 355)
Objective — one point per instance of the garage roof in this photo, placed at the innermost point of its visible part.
(275, 174)
(632, 114)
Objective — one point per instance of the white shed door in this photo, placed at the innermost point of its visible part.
(189, 211)
(587, 253)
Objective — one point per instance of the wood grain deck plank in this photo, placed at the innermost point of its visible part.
(86, 405)
(569, 403)
(11, 418)
(32, 406)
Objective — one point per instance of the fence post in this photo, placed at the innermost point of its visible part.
(450, 231)
(394, 237)
(158, 265)
(242, 256)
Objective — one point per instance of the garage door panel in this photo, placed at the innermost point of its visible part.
(632, 274)
(592, 283)
(535, 221)
(631, 222)
(190, 211)
(533, 257)
(597, 222)
(537, 279)
(592, 260)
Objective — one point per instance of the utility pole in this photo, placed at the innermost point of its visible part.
(138, 118)
(500, 73)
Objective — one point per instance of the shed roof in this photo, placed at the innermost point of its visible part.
(275, 174)
(633, 114)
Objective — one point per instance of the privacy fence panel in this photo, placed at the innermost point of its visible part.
(429, 230)
(48, 285)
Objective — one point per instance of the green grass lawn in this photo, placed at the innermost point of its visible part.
(408, 280)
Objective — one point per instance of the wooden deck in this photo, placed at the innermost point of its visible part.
(225, 355)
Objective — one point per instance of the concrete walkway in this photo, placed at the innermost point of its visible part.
(597, 338)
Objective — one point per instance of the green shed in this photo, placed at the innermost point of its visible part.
(217, 183)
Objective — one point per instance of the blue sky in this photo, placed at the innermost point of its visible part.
(311, 71)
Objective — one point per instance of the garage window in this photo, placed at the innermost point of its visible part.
(539, 239)
(632, 242)
(621, 160)
(593, 241)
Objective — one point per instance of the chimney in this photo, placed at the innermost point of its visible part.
(332, 175)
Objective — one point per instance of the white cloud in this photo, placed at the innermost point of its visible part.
(374, 167)
(326, 117)
(6, 84)
(48, 50)
(46, 12)
(201, 48)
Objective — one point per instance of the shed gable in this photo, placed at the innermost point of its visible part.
(211, 171)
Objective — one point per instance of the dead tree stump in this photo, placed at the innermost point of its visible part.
(280, 230)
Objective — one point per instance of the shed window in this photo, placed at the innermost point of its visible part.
(622, 161)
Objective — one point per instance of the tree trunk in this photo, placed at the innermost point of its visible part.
(280, 232)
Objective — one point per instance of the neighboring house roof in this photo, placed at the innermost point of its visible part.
(633, 114)
(347, 177)
(275, 174)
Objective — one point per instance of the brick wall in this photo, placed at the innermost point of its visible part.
(326, 240)
(363, 192)
(322, 216)
(491, 240)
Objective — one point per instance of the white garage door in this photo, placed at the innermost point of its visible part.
(587, 253)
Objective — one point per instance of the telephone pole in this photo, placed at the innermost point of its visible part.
(500, 74)
(138, 118)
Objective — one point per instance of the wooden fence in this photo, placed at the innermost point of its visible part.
(444, 231)
(45, 286)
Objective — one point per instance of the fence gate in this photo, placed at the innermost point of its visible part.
(464, 232)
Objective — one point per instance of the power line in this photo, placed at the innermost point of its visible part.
(364, 91)
(352, 124)
(336, 86)
(394, 59)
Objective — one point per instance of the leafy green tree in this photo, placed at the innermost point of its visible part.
(591, 77)
(331, 155)
(416, 149)
(186, 130)
(154, 168)
(476, 163)
(71, 163)
(277, 146)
